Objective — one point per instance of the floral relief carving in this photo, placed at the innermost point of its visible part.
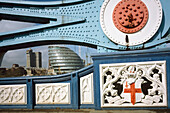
(12, 94)
(133, 84)
(54, 93)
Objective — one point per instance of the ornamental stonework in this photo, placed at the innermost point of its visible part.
(13, 94)
(53, 93)
(133, 84)
(86, 89)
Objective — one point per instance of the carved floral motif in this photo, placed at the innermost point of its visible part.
(133, 84)
(12, 94)
(54, 93)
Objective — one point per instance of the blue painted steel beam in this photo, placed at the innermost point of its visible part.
(30, 94)
(27, 18)
(78, 22)
(44, 4)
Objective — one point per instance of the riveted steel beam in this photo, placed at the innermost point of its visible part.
(76, 21)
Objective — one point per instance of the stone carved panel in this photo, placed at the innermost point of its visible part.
(133, 84)
(86, 89)
(13, 94)
(53, 93)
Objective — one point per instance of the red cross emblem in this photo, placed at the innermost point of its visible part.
(133, 91)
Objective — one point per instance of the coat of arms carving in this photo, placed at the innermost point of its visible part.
(133, 84)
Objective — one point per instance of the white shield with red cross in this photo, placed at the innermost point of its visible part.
(134, 84)
(132, 92)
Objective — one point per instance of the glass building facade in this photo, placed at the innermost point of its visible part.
(64, 60)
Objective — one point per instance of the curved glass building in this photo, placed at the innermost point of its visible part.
(64, 60)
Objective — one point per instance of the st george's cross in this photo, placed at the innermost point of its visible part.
(132, 90)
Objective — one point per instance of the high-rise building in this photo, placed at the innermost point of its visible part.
(64, 60)
(34, 59)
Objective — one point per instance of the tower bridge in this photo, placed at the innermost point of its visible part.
(131, 35)
(75, 21)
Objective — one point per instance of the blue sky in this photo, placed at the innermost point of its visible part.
(19, 56)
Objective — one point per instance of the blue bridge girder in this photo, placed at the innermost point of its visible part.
(74, 21)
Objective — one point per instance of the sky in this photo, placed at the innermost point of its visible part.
(19, 56)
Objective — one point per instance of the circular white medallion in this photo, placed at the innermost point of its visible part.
(117, 34)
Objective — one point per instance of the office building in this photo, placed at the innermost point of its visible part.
(34, 59)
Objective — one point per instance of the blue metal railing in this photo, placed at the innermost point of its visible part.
(30, 81)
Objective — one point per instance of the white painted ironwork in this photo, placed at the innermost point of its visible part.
(147, 32)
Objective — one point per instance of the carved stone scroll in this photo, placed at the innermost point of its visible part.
(135, 84)
(53, 93)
